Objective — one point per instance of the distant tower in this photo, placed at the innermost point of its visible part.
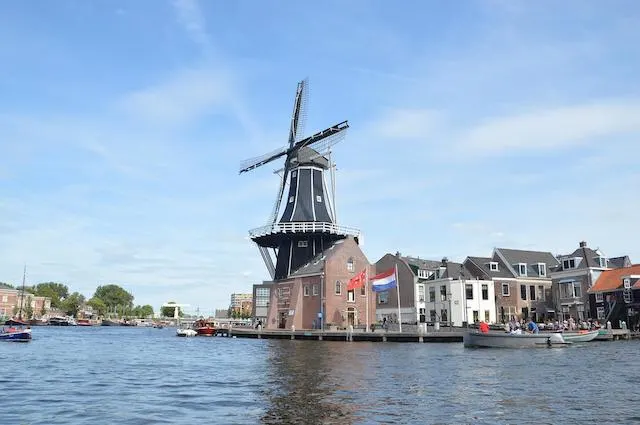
(307, 225)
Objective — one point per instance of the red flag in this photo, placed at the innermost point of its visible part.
(357, 281)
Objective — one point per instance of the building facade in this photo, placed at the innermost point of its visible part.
(615, 297)
(316, 294)
(261, 297)
(241, 303)
(575, 275)
(522, 282)
(33, 307)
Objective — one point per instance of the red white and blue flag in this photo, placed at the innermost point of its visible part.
(384, 281)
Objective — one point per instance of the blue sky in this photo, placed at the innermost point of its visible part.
(473, 125)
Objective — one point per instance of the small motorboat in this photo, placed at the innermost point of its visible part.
(84, 322)
(580, 336)
(204, 327)
(15, 334)
(509, 340)
(184, 332)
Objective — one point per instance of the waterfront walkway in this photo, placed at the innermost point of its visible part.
(453, 335)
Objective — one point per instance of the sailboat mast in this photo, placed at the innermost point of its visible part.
(24, 279)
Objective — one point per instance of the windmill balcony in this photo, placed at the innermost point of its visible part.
(303, 227)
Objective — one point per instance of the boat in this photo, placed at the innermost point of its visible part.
(474, 338)
(58, 321)
(204, 327)
(109, 322)
(581, 336)
(38, 322)
(185, 332)
(15, 334)
(84, 322)
(18, 330)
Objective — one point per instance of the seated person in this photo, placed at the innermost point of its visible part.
(484, 327)
(532, 327)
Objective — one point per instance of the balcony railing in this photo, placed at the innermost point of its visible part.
(304, 227)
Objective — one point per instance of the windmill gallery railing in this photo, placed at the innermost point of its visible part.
(303, 227)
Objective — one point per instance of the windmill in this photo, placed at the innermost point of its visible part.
(307, 224)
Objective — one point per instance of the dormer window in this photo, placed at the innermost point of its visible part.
(493, 266)
(290, 199)
(522, 269)
(350, 267)
(293, 174)
(569, 263)
(423, 274)
(318, 198)
(602, 261)
(542, 269)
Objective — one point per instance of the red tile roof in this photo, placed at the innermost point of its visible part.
(610, 280)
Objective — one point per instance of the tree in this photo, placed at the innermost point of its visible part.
(114, 296)
(71, 305)
(143, 311)
(170, 311)
(43, 310)
(55, 291)
(98, 306)
(28, 311)
(6, 285)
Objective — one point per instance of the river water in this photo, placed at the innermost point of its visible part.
(118, 375)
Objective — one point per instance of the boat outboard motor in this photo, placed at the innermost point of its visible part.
(555, 339)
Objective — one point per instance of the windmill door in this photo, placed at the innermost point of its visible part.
(282, 320)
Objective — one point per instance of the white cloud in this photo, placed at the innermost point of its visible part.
(553, 128)
(191, 18)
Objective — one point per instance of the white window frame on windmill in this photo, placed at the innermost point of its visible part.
(318, 198)
(306, 290)
(291, 198)
(303, 244)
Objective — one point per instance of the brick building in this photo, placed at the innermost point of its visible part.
(11, 299)
(319, 289)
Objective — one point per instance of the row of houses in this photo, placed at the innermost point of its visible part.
(11, 300)
(508, 284)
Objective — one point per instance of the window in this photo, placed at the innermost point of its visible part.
(577, 290)
(532, 292)
(293, 173)
(522, 269)
(363, 289)
(444, 316)
(291, 199)
(540, 293)
(338, 288)
(599, 297)
(351, 296)
(306, 290)
(485, 292)
(262, 292)
(569, 263)
(318, 198)
(542, 269)
(383, 297)
(486, 316)
(603, 261)
(421, 293)
(5, 298)
(423, 274)
(432, 315)
(350, 267)
(468, 290)
(262, 302)
(523, 292)
(600, 312)
(432, 295)
(505, 290)
(476, 316)
(303, 244)
(443, 293)
(493, 266)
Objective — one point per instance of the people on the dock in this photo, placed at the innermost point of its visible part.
(484, 327)
(532, 327)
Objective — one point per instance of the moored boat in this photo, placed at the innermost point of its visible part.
(204, 327)
(581, 336)
(84, 322)
(16, 322)
(15, 334)
(183, 332)
(58, 321)
(109, 322)
(508, 340)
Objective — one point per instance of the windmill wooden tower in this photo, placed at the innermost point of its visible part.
(307, 224)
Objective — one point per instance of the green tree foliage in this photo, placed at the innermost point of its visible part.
(170, 311)
(56, 291)
(143, 311)
(98, 306)
(27, 312)
(72, 304)
(6, 285)
(114, 296)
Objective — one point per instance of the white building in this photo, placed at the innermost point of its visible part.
(450, 295)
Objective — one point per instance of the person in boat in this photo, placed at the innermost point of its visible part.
(532, 327)
(484, 327)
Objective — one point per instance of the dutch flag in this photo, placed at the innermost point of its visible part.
(384, 281)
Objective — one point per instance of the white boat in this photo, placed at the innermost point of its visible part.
(186, 332)
(507, 340)
(583, 336)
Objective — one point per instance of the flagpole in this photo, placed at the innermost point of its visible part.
(398, 294)
(366, 294)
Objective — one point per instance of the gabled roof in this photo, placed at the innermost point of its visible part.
(416, 264)
(619, 262)
(588, 255)
(482, 263)
(454, 271)
(610, 280)
(530, 258)
(316, 264)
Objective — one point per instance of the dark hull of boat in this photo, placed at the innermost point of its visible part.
(58, 323)
(109, 323)
(15, 322)
(16, 336)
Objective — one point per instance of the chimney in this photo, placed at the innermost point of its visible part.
(398, 254)
(583, 244)
(444, 261)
